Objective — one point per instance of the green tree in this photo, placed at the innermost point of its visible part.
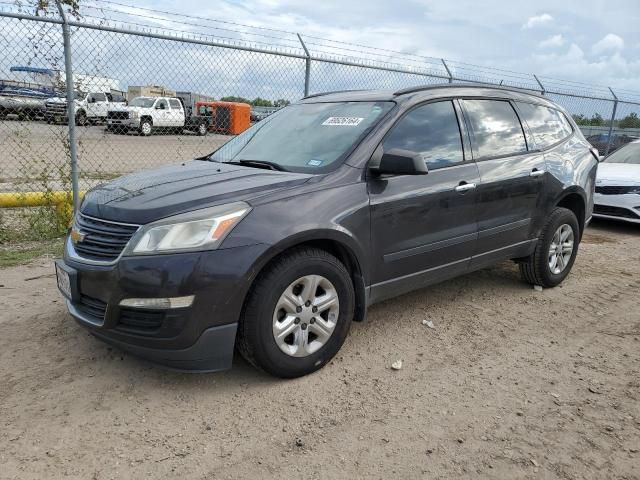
(630, 121)
(596, 120)
(580, 119)
(281, 102)
(231, 98)
(41, 6)
(261, 102)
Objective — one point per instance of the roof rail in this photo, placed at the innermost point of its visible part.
(421, 88)
(331, 92)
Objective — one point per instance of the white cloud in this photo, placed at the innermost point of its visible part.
(552, 41)
(537, 21)
(609, 43)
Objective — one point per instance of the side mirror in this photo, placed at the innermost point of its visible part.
(600, 157)
(400, 162)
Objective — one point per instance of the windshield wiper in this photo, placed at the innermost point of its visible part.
(261, 164)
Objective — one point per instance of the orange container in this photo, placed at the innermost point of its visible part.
(226, 117)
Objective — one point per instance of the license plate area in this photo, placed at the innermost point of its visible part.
(66, 279)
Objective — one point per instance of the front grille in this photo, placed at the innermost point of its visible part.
(140, 321)
(614, 211)
(116, 115)
(616, 190)
(103, 240)
(56, 108)
(92, 307)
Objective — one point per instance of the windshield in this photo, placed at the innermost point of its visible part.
(630, 153)
(144, 102)
(306, 137)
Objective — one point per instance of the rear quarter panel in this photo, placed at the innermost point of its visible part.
(572, 168)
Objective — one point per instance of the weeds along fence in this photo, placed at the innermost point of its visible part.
(64, 81)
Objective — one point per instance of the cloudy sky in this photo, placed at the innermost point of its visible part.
(590, 41)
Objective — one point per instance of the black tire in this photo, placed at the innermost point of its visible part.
(202, 129)
(143, 131)
(255, 340)
(81, 118)
(535, 268)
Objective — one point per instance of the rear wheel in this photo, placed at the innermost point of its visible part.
(202, 129)
(298, 313)
(555, 252)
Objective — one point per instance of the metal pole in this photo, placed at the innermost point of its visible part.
(71, 114)
(307, 67)
(446, 67)
(543, 91)
(613, 117)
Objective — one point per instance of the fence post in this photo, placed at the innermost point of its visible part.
(446, 67)
(71, 114)
(613, 117)
(542, 91)
(307, 68)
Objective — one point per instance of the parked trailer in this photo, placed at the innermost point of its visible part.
(226, 117)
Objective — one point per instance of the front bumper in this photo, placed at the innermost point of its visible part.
(196, 338)
(617, 207)
(123, 123)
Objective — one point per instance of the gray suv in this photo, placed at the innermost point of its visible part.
(275, 242)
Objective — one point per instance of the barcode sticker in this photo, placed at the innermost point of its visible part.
(343, 121)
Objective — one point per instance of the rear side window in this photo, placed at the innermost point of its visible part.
(547, 125)
(431, 130)
(175, 104)
(496, 128)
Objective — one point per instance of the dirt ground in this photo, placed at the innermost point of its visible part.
(511, 383)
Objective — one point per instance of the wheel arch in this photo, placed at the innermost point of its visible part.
(339, 244)
(574, 199)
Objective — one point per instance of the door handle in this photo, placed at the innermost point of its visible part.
(537, 173)
(465, 187)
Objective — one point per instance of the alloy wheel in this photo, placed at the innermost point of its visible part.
(305, 315)
(561, 249)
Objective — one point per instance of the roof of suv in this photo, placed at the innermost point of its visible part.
(425, 92)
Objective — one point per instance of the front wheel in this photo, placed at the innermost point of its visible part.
(202, 129)
(81, 119)
(298, 313)
(146, 127)
(555, 252)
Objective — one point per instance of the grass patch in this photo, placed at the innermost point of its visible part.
(19, 254)
(99, 175)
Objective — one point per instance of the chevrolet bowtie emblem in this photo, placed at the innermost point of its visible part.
(77, 236)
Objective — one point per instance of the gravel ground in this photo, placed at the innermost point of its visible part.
(35, 150)
(511, 383)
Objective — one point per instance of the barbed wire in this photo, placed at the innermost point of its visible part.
(322, 48)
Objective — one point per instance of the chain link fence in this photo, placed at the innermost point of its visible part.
(148, 89)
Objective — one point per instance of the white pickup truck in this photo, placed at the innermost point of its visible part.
(149, 114)
(90, 107)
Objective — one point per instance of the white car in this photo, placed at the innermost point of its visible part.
(89, 107)
(618, 185)
(147, 113)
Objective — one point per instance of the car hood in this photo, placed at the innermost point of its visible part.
(618, 174)
(150, 195)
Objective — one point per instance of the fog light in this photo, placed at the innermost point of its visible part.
(157, 303)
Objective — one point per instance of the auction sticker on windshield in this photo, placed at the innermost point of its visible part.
(343, 121)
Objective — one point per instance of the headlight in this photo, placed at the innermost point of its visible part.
(199, 230)
(134, 114)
